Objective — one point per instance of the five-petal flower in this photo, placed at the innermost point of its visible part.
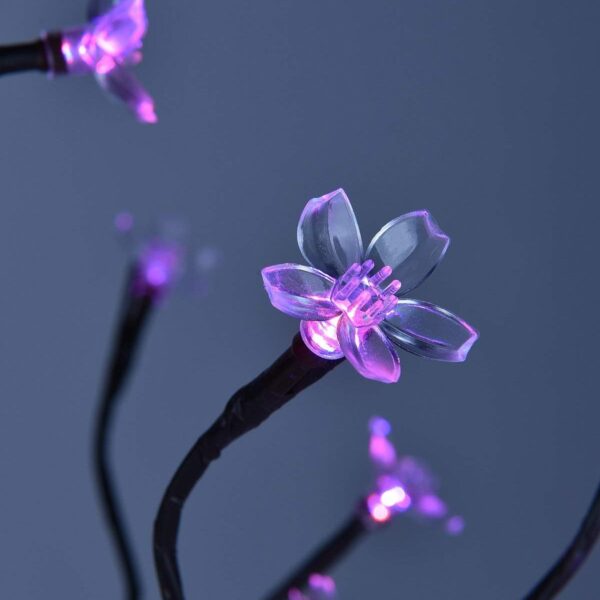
(345, 308)
(106, 46)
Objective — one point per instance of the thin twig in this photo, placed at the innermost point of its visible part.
(573, 557)
(326, 556)
(30, 56)
(295, 370)
(135, 311)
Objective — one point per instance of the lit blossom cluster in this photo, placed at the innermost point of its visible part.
(345, 305)
(107, 46)
(403, 483)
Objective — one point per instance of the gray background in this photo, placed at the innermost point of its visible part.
(484, 112)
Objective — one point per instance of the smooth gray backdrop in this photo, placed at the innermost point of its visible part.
(485, 112)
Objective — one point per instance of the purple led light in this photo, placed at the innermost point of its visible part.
(345, 308)
(106, 47)
(320, 587)
(322, 583)
(403, 484)
(159, 265)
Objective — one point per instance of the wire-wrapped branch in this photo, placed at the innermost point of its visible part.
(135, 311)
(574, 556)
(327, 555)
(295, 370)
(40, 55)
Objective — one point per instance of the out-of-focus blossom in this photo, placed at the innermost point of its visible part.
(345, 307)
(107, 47)
(403, 484)
(162, 257)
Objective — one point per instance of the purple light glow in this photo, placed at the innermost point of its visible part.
(106, 47)
(322, 583)
(320, 587)
(345, 309)
(455, 525)
(160, 263)
(402, 484)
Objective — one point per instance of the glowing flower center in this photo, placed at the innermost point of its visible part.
(361, 296)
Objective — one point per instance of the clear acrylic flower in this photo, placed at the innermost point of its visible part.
(107, 46)
(403, 484)
(345, 307)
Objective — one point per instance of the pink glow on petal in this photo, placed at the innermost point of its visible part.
(379, 513)
(321, 338)
(146, 112)
(322, 583)
(299, 291)
(359, 293)
(113, 38)
(382, 451)
(369, 351)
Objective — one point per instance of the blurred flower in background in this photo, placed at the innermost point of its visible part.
(164, 258)
(403, 484)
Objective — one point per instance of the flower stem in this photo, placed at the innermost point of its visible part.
(295, 370)
(135, 311)
(326, 556)
(573, 557)
(30, 56)
(44, 55)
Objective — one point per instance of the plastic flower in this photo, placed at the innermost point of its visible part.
(345, 308)
(107, 46)
(403, 484)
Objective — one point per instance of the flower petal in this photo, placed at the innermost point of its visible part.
(328, 234)
(369, 351)
(412, 245)
(299, 291)
(320, 338)
(120, 83)
(428, 330)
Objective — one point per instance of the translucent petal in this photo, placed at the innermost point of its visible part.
(119, 31)
(412, 245)
(369, 351)
(321, 338)
(328, 234)
(300, 291)
(428, 330)
(121, 84)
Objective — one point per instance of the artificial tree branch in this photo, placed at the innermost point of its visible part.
(135, 311)
(327, 555)
(295, 370)
(43, 54)
(573, 557)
